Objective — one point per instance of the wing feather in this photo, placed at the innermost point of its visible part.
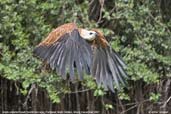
(71, 65)
(108, 68)
(54, 56)
(66, 53)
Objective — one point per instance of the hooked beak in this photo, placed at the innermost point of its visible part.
(96, 34)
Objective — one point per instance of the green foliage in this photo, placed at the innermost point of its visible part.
(141, 37)
(89, 82)
(99, 92)
(154, 97)
(23, 24)
(53, 94)
(108, 106)
(124, 96)
(141, 71)
(147, 40)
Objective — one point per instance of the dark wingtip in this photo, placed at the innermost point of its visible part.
(108, 68)
(39, 51)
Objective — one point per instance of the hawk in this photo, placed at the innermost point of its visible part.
(71, 50)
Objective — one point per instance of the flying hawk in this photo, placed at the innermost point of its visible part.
(77, 51)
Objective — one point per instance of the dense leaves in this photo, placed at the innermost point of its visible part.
(136, 30)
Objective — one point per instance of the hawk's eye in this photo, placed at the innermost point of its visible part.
(90, 33)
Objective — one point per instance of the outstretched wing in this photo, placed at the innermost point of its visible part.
(108, 67)
(64, 50)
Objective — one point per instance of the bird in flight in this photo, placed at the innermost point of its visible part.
(71, 50)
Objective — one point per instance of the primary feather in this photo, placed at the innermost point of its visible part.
(66, 51)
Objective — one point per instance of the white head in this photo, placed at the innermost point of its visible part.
(88, 35)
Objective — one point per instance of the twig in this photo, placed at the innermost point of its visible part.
(129, 109)
(80, 91)
(77, 98)
(137, 104)
(33, 86)
(101, 10)
(165, 103)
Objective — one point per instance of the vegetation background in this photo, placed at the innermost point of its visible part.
(139, 30)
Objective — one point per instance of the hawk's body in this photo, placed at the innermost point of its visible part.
(66, 49)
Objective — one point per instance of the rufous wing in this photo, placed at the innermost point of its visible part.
(66, 51)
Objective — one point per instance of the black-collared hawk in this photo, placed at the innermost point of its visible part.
(77, 51)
